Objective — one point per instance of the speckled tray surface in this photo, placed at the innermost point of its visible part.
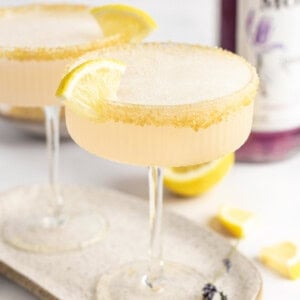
(74, 275)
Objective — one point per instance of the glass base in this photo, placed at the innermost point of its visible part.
(54, 235)
(129, 282)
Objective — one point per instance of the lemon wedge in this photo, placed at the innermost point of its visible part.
(236, 221)
(89, 84)
(195, 180)
(283, 258)
(130, 23)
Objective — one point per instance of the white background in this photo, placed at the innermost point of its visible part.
(271, 190)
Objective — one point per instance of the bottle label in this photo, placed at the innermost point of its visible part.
(269, 37)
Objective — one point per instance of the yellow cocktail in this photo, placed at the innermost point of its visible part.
(158, 105)
(37, 42)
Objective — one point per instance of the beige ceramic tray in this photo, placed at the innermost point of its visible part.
(74, 275)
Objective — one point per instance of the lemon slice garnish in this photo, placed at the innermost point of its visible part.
(89, 84)
(130, 23)
(238, 222)
(195, 180)
(284, 258)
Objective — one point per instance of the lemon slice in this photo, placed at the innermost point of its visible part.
(89, 84)
(195, 180)
(235, 220)
(283, 258)
(130, 23)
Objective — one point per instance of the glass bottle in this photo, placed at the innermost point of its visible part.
(268, 35)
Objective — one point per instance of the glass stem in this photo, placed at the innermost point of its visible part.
(155, 268)
(52, 114)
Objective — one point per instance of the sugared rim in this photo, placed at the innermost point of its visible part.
(53, 53)
(197, 115)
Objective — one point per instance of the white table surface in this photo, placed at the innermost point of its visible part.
(271, 190)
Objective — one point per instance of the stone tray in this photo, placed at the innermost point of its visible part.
(74, 275)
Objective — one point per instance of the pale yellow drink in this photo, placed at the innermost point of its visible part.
(36, 44)
(176, 105)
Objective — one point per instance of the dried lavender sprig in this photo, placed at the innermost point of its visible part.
(210, 290)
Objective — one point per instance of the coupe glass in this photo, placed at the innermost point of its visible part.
(45, 39)
(177, 105)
